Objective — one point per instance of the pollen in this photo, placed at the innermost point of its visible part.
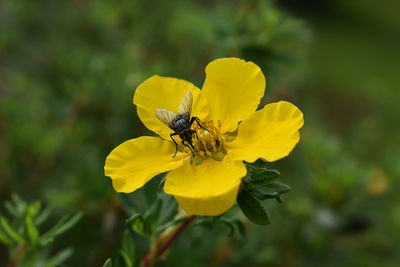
(208, 142)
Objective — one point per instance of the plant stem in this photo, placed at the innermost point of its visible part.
(153, 256)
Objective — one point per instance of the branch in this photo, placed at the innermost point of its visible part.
(150, 258)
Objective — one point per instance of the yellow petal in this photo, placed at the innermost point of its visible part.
(270, 133)
(165, 93)
(208, 189)
(233, 88)
(134, 162)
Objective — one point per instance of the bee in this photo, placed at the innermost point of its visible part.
(181, 123)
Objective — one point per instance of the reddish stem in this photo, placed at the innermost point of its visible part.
(149, 259)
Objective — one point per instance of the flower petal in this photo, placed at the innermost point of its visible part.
(167, 93)
(208, 189)
(233, 88)
(134, 162)
(270, 133)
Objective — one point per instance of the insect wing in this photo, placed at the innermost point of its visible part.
(186, 104)
(165, 116)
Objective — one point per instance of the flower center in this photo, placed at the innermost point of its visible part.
(208, 142)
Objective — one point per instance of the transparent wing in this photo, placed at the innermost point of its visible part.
(186, 104)
(165, 116)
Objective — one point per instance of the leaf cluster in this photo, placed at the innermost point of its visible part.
(21, 233)
(259, 185)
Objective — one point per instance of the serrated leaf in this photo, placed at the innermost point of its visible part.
(63, 225)
(262, 176)
(31, 229)
(108, 263)
(9, 230)
(128, 248)
(252, 208)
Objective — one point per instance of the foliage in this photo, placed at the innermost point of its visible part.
(26, 244)
(66, 68)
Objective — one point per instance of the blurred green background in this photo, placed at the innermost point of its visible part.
(68, 70)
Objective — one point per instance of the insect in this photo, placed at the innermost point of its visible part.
(181, 123)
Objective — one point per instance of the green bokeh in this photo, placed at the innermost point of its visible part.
(68, 70)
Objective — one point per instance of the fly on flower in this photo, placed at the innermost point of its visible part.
(180, 123)
(230, 131)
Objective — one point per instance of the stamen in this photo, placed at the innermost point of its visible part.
(208, 142)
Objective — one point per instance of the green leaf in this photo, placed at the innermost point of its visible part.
(34, 208)
(163, 227)
(11, 209)
(31, 228)
(125, 257)
(59, 258)
(259, 163)
(126, 203)
(262, 176)
(208, 221)
(137, 223)
(278, 187)
(108, 263)
(230, 225)
(128, 248)
(43, 216)
(262, 195)
(151, 217)
(252, 208)
(272, 190)
(234, 225)
(10, 231)
(240, 226)
(4, 239)
(19, 205)
(279, 199)
(169, 209)
(63, 225)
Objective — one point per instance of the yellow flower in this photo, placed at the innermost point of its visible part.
(208, 182)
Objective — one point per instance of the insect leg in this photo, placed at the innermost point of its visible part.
(195, 133)
(189, 145)
(176, 144)
(197, 120)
